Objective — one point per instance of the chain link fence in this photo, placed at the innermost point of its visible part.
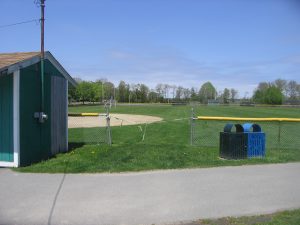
(89, 128)
(282, 137)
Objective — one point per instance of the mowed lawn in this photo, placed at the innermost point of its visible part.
(166, 144)
(280, 218)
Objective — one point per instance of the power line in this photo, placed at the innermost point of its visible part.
(19, 23)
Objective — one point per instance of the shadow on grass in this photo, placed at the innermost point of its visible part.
(74, 145)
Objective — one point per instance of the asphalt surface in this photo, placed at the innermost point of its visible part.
(158, 197)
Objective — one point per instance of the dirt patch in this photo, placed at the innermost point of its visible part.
(115, 120)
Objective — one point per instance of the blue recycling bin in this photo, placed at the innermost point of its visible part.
(255, 140)
(248, 141)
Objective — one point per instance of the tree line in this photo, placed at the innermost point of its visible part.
(97, 91)
(102, 89)
(277, 92)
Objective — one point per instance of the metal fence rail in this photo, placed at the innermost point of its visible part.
(281, 133)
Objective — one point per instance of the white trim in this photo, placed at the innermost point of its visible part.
(59, 67)
(7, 164)
(16, 117)
(67, 109)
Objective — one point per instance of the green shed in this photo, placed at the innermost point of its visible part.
(23, 138)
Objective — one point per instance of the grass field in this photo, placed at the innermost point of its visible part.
(166, 144)
(281, 218)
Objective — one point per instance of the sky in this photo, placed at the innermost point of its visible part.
(231, 43)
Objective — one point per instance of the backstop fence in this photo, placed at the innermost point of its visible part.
(281, 133)
(89, 128)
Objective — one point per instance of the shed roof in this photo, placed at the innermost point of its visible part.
(10, 62)
(7, 59)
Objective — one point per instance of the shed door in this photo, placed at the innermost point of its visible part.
(59, 111)
(6, 118)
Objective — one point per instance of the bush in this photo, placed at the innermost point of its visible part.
(271, 95)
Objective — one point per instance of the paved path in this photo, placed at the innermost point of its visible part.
(148, 197)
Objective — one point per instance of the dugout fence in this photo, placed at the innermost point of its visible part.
(89, 128)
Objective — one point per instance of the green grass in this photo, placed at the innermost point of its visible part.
(173, 112)
(281, 218)
(166, 144)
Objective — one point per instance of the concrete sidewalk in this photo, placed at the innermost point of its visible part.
(147, 197)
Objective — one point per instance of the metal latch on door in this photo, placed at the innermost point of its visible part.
(41, 116)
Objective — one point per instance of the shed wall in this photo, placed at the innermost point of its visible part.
(35, 138)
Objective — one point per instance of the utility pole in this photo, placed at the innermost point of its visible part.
(41, 116)
(42, 5)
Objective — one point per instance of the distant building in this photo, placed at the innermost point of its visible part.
(213, 102)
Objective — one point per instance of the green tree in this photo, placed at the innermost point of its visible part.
(84, 91)
(194, 96)
(144, 91)
(258, 96)
(72, 94)
(153, 96)
(273, 96)
(281, 84)
(260, 92)
(233, 94)
(96, 93)
(109, 90)
(207, 92)
(226, 96)
(122, 91)
(269, 95)
(133, 96)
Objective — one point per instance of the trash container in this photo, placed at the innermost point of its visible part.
(255, 140)
(233, 144)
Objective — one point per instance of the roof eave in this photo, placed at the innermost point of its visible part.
(35, 59)
(60, 68)
(19, 65)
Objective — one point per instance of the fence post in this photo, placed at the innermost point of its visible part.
(192, 126)
(279, 134)
(108, 130)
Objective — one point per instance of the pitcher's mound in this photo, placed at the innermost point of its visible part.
(115, 120)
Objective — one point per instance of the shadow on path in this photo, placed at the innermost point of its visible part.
(57, 194)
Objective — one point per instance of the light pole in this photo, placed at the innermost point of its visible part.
(102, 91)
(129, 97)
(115, 96)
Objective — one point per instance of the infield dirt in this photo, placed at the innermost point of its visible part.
(115, 120)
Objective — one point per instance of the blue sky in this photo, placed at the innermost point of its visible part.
(232, 43)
